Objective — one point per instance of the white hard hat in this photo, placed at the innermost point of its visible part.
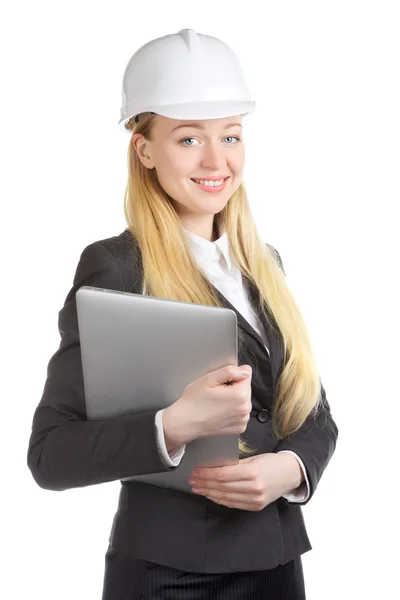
(186, 75)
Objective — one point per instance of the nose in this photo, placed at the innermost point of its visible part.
(214, 157)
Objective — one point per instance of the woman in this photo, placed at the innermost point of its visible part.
(191, 237)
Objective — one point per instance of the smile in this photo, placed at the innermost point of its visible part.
(211, 186)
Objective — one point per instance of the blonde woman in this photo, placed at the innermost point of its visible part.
(190, 237)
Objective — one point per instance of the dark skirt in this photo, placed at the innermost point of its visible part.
(127, 578)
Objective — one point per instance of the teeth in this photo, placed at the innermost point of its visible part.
(210, 183)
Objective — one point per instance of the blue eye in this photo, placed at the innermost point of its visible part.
(228, 137)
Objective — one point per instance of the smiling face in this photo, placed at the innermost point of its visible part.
(184, 150)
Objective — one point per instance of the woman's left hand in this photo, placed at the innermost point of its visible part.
(251, 484)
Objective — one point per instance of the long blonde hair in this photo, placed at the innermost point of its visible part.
(170, 272)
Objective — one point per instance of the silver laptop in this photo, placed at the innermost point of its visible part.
(139, 353)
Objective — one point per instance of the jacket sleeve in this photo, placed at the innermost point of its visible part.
(315, 441)
(65, 449)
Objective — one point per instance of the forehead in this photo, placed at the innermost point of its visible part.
(167, 125)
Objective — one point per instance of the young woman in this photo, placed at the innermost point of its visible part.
(191, 237)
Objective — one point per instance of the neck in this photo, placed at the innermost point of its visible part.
(208, 232)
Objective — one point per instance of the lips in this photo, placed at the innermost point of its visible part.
(212, 189)
(205, 179)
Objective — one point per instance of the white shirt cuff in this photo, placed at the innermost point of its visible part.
(173, 459)
(301, 493)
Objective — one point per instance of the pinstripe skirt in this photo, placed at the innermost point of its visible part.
(128, 578)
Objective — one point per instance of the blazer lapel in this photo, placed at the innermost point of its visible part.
(274, 339)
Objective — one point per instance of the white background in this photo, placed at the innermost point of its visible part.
(322, 173)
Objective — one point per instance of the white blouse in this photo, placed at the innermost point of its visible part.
(217, 264)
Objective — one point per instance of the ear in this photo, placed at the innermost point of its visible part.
(143, 150)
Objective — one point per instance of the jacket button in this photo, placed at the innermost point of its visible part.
(263, 415)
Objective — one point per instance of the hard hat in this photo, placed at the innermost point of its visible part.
(186, 75)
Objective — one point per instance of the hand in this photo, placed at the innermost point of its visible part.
(218, 403)
(251, 484)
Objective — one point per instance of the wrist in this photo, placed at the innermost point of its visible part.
(293, 473)
(176, 430)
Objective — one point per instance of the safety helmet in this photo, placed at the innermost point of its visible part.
(186, 75)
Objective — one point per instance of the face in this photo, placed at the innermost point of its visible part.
(186, 150)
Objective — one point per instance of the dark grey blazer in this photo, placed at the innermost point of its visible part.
(169, 527)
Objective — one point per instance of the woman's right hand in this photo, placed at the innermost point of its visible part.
(218, 403)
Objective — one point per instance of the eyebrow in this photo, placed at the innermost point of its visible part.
(198, 126)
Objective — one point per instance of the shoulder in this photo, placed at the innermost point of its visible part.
(118, 246)
(276, 255)
(121, 249)
(118, 253)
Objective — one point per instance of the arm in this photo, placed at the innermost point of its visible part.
(302, 492)
(65, 449)
(168, 440)
(315, 442)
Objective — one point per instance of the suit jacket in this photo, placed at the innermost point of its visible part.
(180, 530)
